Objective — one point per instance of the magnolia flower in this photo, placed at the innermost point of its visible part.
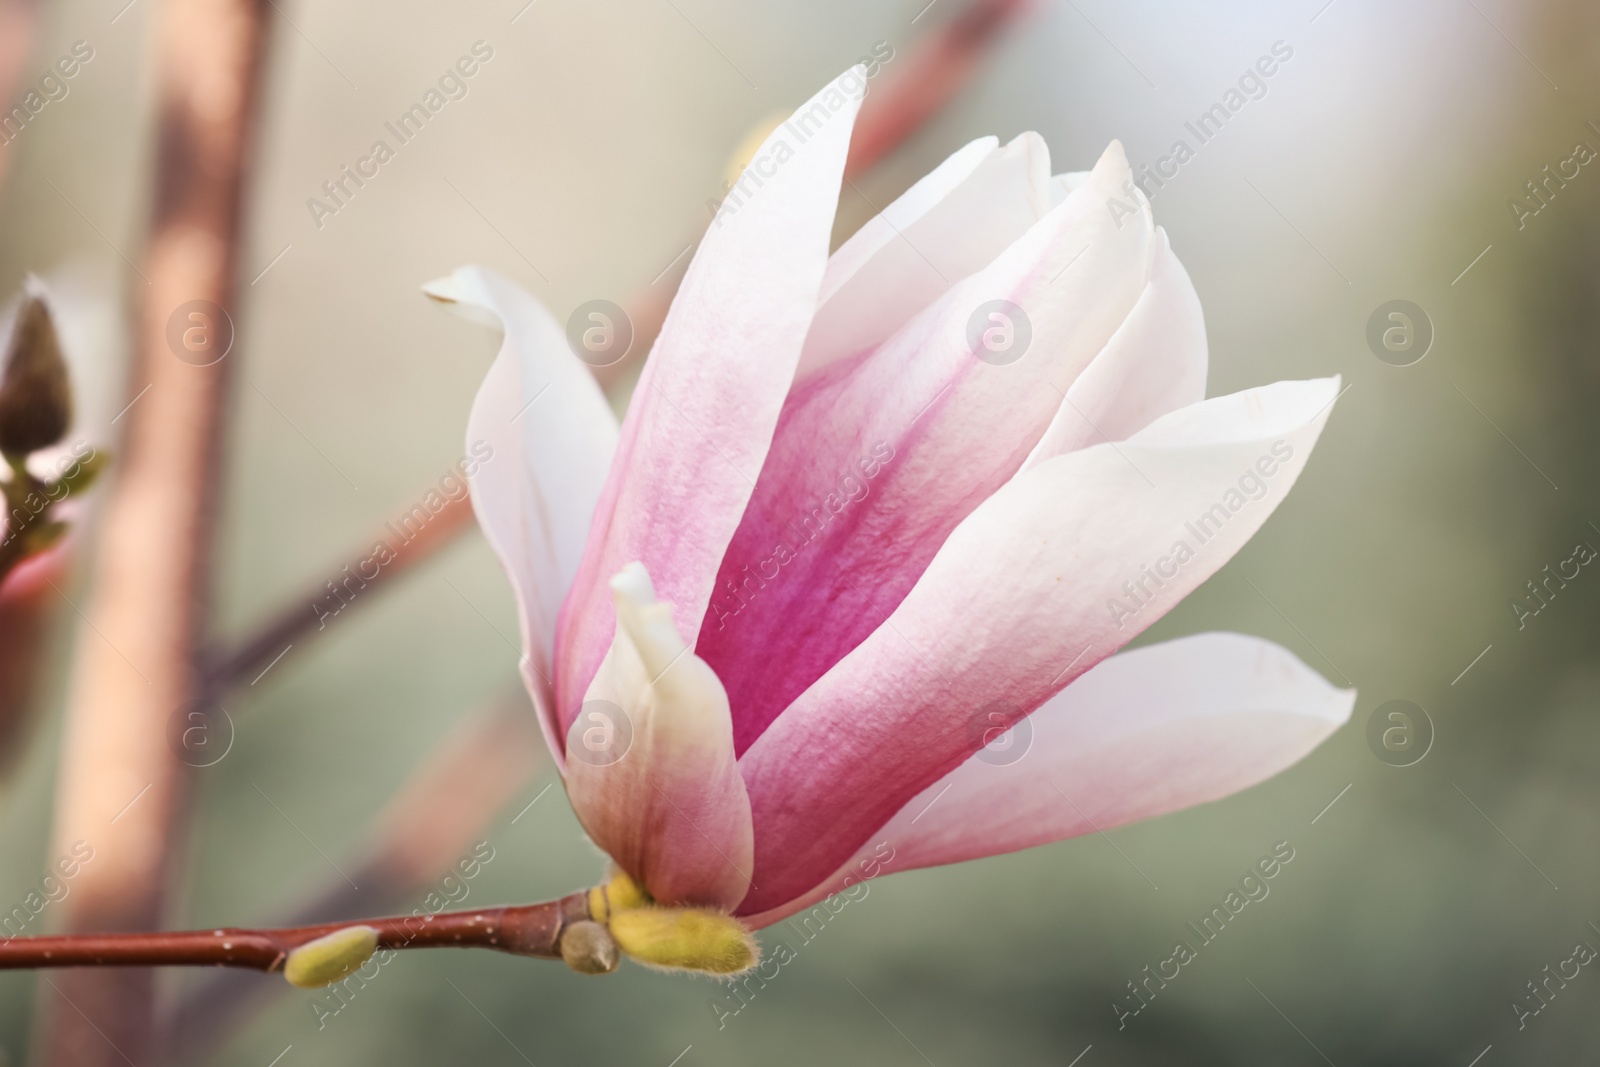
(841, 595)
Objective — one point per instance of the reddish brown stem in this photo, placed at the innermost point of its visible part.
(522, 929)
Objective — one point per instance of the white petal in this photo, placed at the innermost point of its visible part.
(1153, 364)
(910, 255)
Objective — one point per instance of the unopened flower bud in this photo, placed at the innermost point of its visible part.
(588, 948)
(35, 391)
(330, 957)
(685, 939)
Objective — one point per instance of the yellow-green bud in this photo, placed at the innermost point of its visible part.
(588, 948)
(687, 939)
(620, 893)
(35, 391)
(331, 957)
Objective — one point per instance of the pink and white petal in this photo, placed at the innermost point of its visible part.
(1033, 588)
(550, 436)
(877, 459)
(703, 414)
(651, 772)
(1153, 364)
(909, 255)
(1144, 733)
(890, 224)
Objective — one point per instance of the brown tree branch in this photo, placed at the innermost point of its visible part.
(120, 788)
(19, 22)
(523, 930)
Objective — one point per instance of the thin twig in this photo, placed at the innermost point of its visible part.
(521, 929)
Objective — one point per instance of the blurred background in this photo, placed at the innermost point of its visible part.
(1378, 166)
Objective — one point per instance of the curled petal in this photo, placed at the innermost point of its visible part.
(650, 765)
(540, 437)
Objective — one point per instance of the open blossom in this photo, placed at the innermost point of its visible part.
(869, 511)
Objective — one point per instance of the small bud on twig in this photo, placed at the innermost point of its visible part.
(35, 391)
(588, 948)
(329, 958)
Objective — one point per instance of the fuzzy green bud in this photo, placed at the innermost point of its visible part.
(685, 939)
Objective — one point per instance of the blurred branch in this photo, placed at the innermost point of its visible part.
(299, 616)
(19, 22)
(910, 92)
(120, 787)
(931, 73)
(27, 604)
(423, 830)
